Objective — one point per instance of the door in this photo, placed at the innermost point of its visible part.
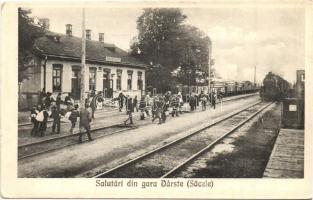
(76, 83)
(107, 85)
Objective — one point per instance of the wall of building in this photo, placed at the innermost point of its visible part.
(67, 77)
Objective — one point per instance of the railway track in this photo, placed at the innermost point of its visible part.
(53, 144)
(50, 121)
(170, 158)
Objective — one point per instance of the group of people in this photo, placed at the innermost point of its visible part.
(162, 105)
(49, 107)
(157, 107)
(204, 99)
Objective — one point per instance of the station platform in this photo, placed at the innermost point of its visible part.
(90, 158)
(24, 117)
(103, 118)
(287, 158)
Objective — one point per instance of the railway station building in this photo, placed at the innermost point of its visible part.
(57, 61)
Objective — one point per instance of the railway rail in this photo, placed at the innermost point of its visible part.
(52, 144)
(171, 157)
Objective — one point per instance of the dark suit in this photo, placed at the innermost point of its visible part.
(84, 123)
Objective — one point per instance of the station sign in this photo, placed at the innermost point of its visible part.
(113, 59)
(292, 108)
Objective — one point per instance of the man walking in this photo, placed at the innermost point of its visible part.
(85, 120)
(130, 110)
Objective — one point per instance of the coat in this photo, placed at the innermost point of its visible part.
(130, 106)
(84, 117)
(135, 102)
(74, 115)
(55, 114)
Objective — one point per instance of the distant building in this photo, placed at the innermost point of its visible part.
(57, 59)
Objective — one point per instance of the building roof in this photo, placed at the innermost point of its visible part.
(69, 47)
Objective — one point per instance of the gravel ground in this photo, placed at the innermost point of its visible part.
(244, 154)
(161, 162)
(89, 158)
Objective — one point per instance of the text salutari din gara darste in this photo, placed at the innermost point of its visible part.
(190, 183)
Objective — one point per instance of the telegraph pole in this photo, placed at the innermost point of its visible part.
(255, 75)
(83, 65)
(209, 66)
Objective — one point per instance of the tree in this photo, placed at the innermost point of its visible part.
(194, 51)
(28, 32)
(158, 29)
(168, 44)
(159, 77)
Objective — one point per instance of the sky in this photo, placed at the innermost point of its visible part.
(268, 39)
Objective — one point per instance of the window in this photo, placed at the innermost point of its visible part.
(92, 79)
(139, 82)
(57, 77)
(118, 79)
(129, 79)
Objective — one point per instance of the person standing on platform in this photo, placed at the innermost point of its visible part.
(73, 117)
(181, 102)
(165, 108)
(121, 101)
(58, 101)
(56, 116)
(69, 101)
(42, 118)
(149, 102)
(48, 101)
(126, 103)
(220, 96)
(84, 122)
(93, 106)
(157, 109)
(143, 108)
(130, 110)
(192, 102)
(42, 95)
(33, 114)
(213, 99)
(204, 100)
(135, 104)
(175, 105)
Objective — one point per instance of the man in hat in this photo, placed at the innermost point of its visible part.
(56, 116)
(85, 120)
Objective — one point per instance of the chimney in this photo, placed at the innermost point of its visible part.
(88, 34)
(44, 22)
(101, 37)
(68, 29)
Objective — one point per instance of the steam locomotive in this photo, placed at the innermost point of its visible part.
(274, 88)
